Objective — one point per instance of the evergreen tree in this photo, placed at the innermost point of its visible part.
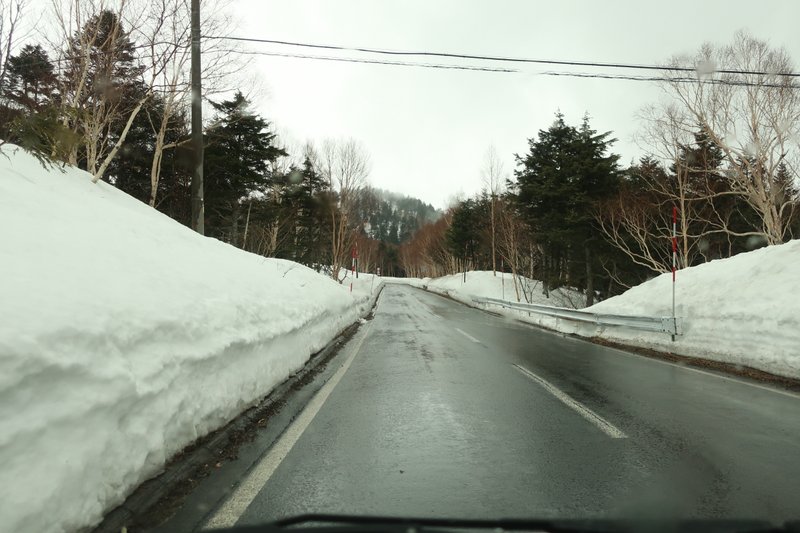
(544, 193)
(566, 172)
(31, 81)
(597, 179)
(463, 235)
(28, 113)
(103, 56)
(305, 205)
(239, 149)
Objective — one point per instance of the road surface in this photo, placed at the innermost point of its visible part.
(446, 411)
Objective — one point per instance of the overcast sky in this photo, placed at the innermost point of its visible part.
(427, 130)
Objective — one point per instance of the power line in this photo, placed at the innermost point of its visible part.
(673, 79)
(595, 75)
(593, 64)
(379, 62)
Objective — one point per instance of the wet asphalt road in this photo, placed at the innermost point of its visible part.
(433, 418)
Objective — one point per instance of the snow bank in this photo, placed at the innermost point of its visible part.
(488, 285)
(124, 336)
(743, 310)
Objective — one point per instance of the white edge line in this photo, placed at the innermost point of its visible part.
(467, 335)
(601, 423)
(233, 508)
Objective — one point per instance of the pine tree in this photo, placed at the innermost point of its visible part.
(28, 114)
(566, 172)
(31, 81)
(545, 189)
(304, 202)
(463, 235)
(597, 179)
(239, 148)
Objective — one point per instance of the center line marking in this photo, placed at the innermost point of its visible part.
(467, 335)
(227, 515)
(601, 423)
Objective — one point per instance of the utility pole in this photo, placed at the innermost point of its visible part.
(198, 215)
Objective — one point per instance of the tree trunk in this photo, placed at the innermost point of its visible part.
(155, 165)
(545, 275)
(589, 277)
(235, 223)
(494, 260)
(246, 226)
(113, 153)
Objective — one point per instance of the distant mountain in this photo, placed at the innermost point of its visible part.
(392, 217)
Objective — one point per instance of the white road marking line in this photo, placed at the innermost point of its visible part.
(605, 426)
(467, 335)
(227, 515)
(707, 373)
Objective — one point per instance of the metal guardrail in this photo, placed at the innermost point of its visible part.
(669, 325)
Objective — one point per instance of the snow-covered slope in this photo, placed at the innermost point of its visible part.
(124, 336)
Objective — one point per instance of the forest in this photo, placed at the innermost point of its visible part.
(720, 172)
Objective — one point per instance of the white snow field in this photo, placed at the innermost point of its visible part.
(124, 336)
(744, 310)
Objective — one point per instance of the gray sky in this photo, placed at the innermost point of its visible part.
(427, 130)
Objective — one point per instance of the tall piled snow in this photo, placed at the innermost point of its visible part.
(124, 336)
(743, 310)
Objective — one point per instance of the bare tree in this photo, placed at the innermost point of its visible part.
(632, 225)
(91, 103)
(427, 254)
(493, 176)
(165, 33)
(638, 220)
(267, 239)
(10, 18)
(102, 113)
(518, 250)
(345, 166)
(165, 36)
(754, 118)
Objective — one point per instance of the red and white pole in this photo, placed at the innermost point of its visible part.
(674, 263)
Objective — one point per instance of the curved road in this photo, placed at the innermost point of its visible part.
(443, 410)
